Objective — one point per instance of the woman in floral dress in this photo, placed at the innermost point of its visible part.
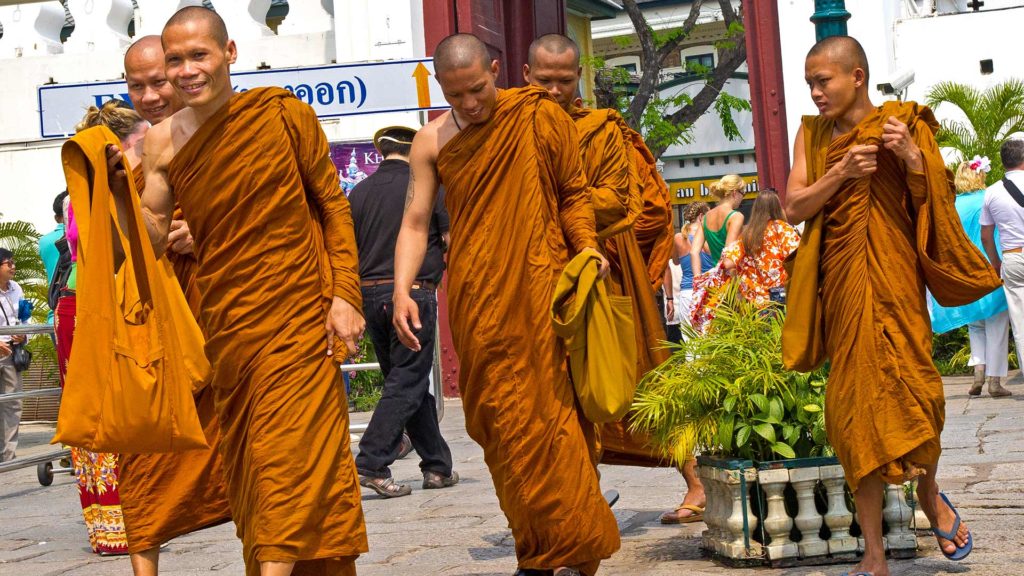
(756, 258)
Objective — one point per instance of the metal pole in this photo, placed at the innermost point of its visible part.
(19, 463)
(829, 18)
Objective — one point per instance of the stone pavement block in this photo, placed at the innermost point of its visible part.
(461, 531)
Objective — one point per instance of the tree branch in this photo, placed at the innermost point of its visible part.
(729, 61)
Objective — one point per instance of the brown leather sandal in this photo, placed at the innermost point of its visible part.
(386, 487)
(436, 480)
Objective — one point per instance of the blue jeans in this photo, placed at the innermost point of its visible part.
(406, 403)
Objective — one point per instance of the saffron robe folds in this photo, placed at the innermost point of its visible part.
(167, 495)
(885, 237)
(628, 201)
(274, 243)
(519, 207)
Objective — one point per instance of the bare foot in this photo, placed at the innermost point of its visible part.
(695, 498)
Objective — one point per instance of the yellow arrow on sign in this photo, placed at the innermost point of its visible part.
(422, 86)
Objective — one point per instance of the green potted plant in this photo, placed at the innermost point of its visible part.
(774, 492)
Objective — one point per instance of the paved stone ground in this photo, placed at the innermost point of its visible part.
(461, 531)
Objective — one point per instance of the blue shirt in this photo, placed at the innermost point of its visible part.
(706, 263)
(49, 253)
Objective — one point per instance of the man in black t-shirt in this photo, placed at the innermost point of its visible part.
(377, 207)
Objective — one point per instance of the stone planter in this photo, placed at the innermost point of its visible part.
(791, 512)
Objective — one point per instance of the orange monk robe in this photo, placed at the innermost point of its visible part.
(519, 208)
(167, 495)
(273, 243)
(885, 238)
(613, 167)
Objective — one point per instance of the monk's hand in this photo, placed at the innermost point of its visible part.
(344, 324)
(896, 137)
(859, 161)
(117, 177)
(179, 240)
(605, 268)
(406, 319)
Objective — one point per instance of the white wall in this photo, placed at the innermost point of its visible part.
(345, 31)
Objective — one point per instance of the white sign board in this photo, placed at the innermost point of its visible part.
(338, 90)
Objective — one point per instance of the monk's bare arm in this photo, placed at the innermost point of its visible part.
(804, 201)
(158, 201)
(411, 246)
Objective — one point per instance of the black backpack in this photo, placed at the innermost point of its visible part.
(60, 273)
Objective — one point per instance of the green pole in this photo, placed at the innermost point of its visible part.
(829, 18)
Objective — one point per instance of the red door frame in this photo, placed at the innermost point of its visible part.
(767, 95)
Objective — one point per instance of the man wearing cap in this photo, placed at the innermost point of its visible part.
(405, 404)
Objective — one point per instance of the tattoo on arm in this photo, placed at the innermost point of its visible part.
(411, 191)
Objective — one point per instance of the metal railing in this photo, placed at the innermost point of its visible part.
(44, 462)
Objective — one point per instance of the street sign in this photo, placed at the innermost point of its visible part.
(337, 90)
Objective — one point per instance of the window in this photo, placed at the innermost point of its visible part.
(739, 158)
(725, 158)
(711, 160)
(682, 162)
(631, 68)
(700, 63)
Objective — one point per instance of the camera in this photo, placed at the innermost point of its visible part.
(897, 82)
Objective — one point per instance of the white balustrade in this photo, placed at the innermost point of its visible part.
(245, 19)
(100, 25)
(897, 515)
(153, 14)
(807, 520)
(838, 518)
(777, 522)
(306, 17)
(31, 29)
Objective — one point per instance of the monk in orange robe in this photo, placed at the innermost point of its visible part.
(519, 208)
(275, 265)
(167, 495)
(881, 228)
(630, 201)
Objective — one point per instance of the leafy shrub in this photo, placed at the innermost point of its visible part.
(726, 392)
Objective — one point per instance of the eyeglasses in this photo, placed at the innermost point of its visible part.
(7, 263)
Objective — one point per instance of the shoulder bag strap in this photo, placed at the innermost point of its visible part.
(1014, 191)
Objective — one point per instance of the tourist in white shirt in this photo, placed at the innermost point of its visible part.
(10, 379)
(1000, 210)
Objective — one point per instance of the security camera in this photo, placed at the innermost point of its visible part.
(897, 82)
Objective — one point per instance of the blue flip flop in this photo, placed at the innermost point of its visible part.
(961, 552)
(857, 574)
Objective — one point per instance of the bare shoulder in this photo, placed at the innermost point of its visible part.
(156, 143)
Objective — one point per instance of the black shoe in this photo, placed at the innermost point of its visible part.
(405, 446)
(532, 572)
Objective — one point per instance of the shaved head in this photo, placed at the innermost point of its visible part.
(144, 48)
(215, 24)
(555, 44)
(844, 51)
(460, 51)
